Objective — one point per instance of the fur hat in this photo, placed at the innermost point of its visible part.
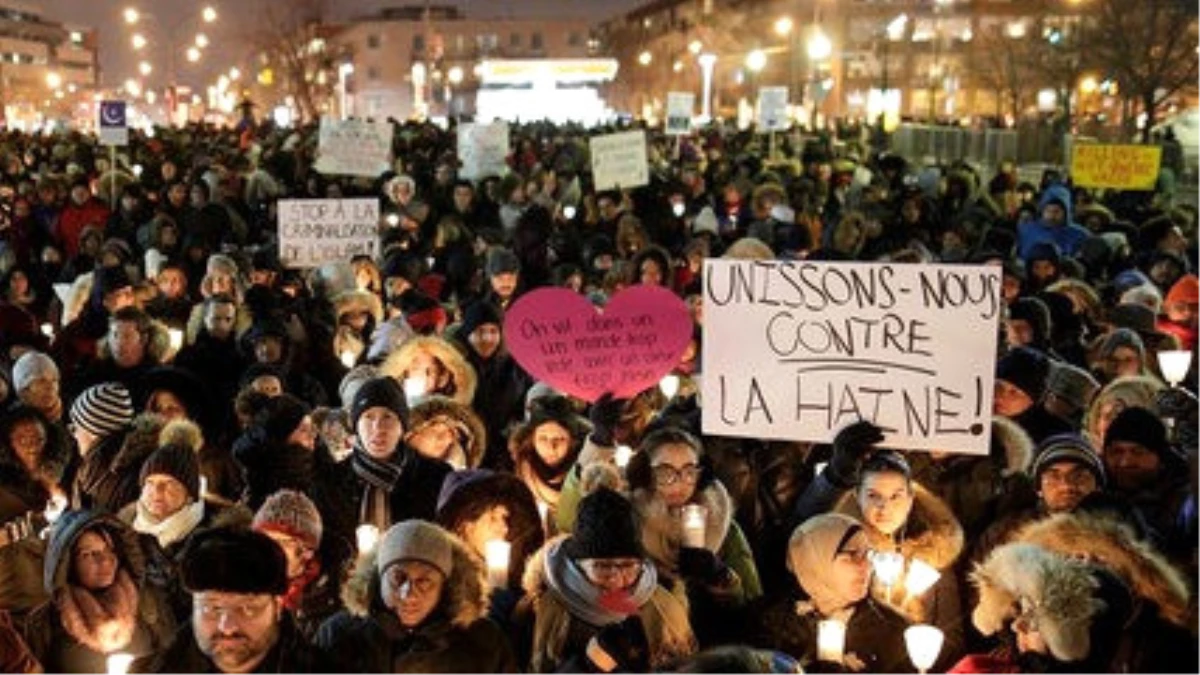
(103, 409)
(1072, 384)
(416, 540)
(1141, 426)
(384, 392)
(234, 561)
(1068, 447)
(31, 366)
(605, 527)
(290, 513)
(1025, 369)
(177, 461)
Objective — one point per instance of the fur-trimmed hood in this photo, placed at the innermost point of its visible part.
(661, 533)
(464, 593)
(457, 414)
(462, 376)
(357, 301)
(932, 532)
(1059, 591)
(157, 346)
(1014, 442)
(1107, 542)
(67, 531)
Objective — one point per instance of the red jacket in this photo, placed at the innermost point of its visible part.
(74, 218)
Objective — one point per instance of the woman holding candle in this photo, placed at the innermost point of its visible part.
(829, 619)
(418, 604)
(447, 431)
(436, 364)
(98, 604)
(545, 448)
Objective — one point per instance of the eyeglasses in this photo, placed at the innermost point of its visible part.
(605, 570)
(423, 585)
(242, 611)
(665, 474)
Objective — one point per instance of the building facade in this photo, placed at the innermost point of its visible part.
(47, 69)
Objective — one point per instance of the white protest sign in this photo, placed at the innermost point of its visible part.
(354, 147)
(797, 350)
(772, 109)
(313, 232)
(483, 149)
(619, 160)
(680, 105)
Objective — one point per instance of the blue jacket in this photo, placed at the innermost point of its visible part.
(1068, 237)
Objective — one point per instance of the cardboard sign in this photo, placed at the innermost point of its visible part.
(113, 123)
(619, 160)
(797, 350)
(313, 232)
(562, 339)
(772, 109)
(1123, 167)
(354, 147)
(680, 105)
(483, 149)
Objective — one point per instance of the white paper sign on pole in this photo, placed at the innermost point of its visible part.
(680, 105)
(483, 149)
(354, 147)
(772, 109)
(313, 232)
(797, 350)
(619, 160)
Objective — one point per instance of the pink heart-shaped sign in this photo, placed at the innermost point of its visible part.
(562, 339)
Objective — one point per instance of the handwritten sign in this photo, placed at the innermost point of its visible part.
(560, 338)
(354, 147)
(619, 160)
(680, 105)
(1123, 167)
(797, 350)
(483, 149)
(772, 109)
(313, 232)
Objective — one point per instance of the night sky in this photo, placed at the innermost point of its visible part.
(118, 60)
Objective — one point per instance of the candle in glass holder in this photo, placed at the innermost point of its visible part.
(924, 643)
(694, 517)
(55, 507)
(669, 385)
(118, 664)
(348, 358)
(367, 536)
(623, 454)
(48, 329)
(920, 578)
(497, 553)
(1174, 365)
(888, 566)
(831, 640)
(414, 389)
(176, 337)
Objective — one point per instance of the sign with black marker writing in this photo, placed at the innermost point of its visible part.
(313, 232)
(796, 350)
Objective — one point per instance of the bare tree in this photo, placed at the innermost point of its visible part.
(291, 38)
(1057, 59)
(998, 65)
(1150, 46)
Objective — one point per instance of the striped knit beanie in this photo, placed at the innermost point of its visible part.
(103, 409)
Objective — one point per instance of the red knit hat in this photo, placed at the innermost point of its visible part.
(1186, 290)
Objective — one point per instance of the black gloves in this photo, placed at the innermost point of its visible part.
(605, 415)
(703, 565)
(626, 644)
(850, 447)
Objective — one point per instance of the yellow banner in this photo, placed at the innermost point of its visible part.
(1124, 167)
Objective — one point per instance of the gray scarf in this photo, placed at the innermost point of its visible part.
(583, 598)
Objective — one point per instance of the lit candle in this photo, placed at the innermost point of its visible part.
(48, 329)
(924, 643)
(920, 578)
(55, 507)
(176, 336)
(694, 523)
(888, 566)
(669, 386)
(348, 358)
(414, 389)
(1174, 364)
(678, 208)
(623, 454)
(118, 664)
(831, 640)
(569, 212)
(543, 510)
(367, 536)
(497, 553)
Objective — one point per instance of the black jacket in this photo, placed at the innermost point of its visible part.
(291, 654)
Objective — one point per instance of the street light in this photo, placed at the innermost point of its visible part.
(139, 41)
(783, 26)
(53, 80)
(145, 68)
(208, 14)
(756, 60)
(819, 46)
(193, 54)
(235, 74)
(131, 15)
(455, 75)
(132, 86)
(695, 46)
(201, 40)
(645, 57)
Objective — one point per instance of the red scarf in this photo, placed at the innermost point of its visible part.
(295, 592)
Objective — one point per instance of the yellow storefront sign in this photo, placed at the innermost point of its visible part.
(1123, 167)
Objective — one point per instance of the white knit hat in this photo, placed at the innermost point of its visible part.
(416, 540)
(31, 366)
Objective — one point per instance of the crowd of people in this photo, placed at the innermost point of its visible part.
(212, 463)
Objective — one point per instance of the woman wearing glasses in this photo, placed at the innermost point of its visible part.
(713, 564)
(417, 605)
(98, 604)
(593, 599)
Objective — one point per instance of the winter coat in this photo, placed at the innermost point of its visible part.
(15, 656)
(786, 622)
(499, 400)
(74, 218)
(291, 654)
(456, 637)
(109, 476)
(552, 636)
(58, 650)
(462, 381)
(415, 495)
(1067, 236)
(433, 407)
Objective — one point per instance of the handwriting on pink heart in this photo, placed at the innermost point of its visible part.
(562, 339)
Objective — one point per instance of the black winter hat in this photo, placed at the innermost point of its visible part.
(1026, 369)
(1045, 250)
(502, 260)
(177, 461)
(234, 561)
(281, 415)
(1141, 426)
(1067, 447)
(382, 392)
(478, 314)
(605, 527)
(1035, 313)
(109, 279)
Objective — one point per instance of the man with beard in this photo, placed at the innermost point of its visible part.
(238, 625)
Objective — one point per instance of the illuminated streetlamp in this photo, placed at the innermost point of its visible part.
(235, 74)
(53, 80)
(819, 46)
(139, 41)
(695, 46)
(756, 60)
(455, 75)
(132, 15)
(201, 40)
(193, 54)
(645, 57)
(145, 68)
(208, 14)
(783, 26)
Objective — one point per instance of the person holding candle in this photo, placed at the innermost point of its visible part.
(594, 602)
(98, 603)
(545, 448)
(437, 364)
(829, 557)
(417, 604)
(444, 430)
